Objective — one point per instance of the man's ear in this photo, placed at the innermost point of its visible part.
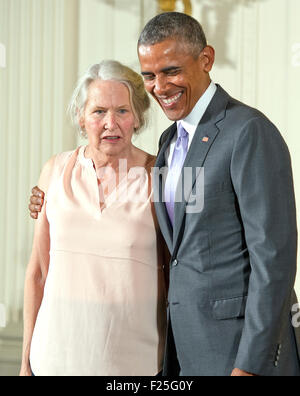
(207, 58)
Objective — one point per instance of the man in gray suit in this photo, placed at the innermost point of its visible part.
(233, 262)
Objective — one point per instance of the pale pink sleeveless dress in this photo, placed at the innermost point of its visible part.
(103, 310)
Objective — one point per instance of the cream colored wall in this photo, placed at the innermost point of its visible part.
(48, 43)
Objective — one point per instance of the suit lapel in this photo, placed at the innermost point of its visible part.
(194, 160)
(205, 135)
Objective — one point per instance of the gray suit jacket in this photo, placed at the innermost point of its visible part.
(233, 264)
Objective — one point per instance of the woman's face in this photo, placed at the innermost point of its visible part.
(108, 118)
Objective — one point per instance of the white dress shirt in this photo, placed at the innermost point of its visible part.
(190, 123)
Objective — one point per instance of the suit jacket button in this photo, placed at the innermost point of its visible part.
(175, 262)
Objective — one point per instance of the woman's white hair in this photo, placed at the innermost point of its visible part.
(110, 70)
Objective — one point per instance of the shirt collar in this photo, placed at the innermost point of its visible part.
(191, 122)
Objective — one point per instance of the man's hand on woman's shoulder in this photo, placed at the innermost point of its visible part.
(37, 195)
(36, 202)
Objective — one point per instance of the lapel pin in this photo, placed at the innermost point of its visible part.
(205, 139)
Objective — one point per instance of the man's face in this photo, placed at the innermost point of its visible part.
(174, 77)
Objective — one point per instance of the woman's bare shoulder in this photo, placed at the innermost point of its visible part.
(46, 174)
(57, 160)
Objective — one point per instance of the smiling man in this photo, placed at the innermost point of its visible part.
(174, 77)
(233, 264)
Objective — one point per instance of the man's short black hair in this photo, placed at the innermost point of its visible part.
(174, 25)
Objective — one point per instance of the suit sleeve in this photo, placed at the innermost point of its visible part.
(262, 178)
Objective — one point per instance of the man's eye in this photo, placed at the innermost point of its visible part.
(148, 77)
(173, 72)
(123, 111)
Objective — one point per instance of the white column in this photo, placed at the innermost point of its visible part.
(40, 39)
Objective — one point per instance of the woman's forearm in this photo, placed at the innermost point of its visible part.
(33, 295)
(37, 272)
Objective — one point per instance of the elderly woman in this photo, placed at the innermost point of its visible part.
(94, 290)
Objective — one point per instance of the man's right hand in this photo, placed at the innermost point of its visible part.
(36, 202)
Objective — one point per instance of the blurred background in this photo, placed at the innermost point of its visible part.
(45, 45)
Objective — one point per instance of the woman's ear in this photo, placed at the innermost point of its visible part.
(136, 125)
(81, 121)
